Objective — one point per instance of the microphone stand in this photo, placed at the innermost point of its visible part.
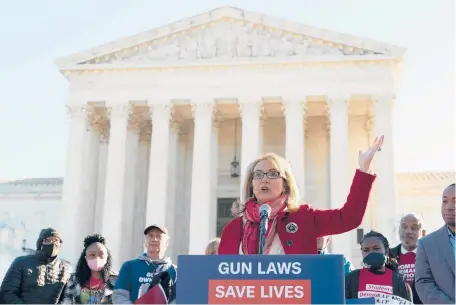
(263, 228)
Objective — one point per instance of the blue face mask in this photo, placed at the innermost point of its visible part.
(375, 260)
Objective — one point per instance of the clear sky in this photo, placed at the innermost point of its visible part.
(33, 122)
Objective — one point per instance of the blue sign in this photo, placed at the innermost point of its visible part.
(260, 279)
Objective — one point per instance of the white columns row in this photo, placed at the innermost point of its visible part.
(121, 156)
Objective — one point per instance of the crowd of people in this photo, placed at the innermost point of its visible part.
(420, 270)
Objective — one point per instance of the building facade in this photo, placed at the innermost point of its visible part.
(157, 119)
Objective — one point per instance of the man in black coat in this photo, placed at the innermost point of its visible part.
(38, 278)
(411, 228)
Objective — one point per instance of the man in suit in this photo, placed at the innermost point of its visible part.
(435, 260)
(411, 228)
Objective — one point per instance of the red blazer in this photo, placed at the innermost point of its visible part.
(311, 223)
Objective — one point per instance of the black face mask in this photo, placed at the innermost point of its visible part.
(375, 261)
(50, 250)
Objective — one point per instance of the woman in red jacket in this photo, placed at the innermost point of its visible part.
(293, 228)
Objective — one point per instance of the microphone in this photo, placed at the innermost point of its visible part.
(265, 211)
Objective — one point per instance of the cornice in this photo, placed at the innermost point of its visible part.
(232, 65)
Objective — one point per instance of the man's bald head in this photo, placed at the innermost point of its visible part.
(410, 229)
(415, 217)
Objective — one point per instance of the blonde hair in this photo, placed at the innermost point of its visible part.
(212, 246)
(283, 166)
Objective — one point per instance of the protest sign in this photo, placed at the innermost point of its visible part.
(260, 279)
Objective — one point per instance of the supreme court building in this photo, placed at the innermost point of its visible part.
(159, 120)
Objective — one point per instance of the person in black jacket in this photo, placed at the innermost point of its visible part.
(410, 230)
(38, 278)
(379, 278)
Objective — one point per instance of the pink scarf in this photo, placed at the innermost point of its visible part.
(251, 236)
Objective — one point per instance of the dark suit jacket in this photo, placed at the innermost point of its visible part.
(434, 275)
(395, 253)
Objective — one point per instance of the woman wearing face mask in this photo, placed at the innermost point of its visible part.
(379, 278)
(293, 227)
(93, 281)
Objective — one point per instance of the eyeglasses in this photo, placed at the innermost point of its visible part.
(258, 175)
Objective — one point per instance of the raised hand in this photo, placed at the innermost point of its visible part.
(365, 158)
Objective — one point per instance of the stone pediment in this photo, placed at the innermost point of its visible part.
(229, 33)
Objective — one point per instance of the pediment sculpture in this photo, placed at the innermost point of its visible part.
(225, 40)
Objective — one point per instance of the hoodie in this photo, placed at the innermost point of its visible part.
(136, 272)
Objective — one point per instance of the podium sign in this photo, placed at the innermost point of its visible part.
(260, 279)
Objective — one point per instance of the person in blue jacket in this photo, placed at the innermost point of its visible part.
(322, 245)
(137, 276)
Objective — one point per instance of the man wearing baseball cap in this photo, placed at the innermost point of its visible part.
(135, 276)
(37, 278)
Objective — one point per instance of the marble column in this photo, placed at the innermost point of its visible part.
(115, 178)
(157, 190)
(172, 204)
(101, 183)
(250, 150)
(339, 175)
(130, 183)
(214, 179)
(183, 195)
(294, 141)
(86, 209)
(142, 172)
(73, 197)
(385, 183)
(201, 198)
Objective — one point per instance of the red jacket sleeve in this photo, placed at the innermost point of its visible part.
(350, 216)
(231, 237)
